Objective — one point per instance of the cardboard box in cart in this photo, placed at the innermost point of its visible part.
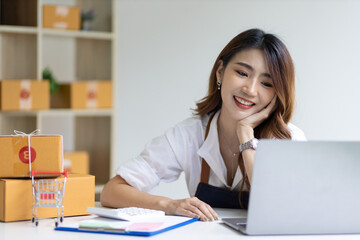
(16, 198)
(46, 154)
(24, 95)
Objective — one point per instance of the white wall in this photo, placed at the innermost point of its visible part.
(166, 50)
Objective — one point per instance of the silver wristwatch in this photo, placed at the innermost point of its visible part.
(249, 144)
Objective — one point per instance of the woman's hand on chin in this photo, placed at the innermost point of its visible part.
(256, 119)
(245, 127)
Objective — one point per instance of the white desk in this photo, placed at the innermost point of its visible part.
(199, 230)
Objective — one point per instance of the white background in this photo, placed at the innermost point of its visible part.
(166, 50)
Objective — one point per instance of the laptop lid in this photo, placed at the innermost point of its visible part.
(308, 187)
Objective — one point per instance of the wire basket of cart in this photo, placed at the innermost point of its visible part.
(48, 193)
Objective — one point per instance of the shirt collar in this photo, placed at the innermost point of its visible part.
(210, 152)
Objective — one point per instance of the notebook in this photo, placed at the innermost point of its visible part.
(308, 187)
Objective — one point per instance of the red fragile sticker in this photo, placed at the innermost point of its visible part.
(24, 94)
(24, 154)
(91, 95)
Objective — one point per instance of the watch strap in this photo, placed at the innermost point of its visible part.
(247, 145)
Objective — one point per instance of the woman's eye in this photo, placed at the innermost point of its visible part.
(266, 84)
(242, 73)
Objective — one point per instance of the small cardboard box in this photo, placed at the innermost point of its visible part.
(76, 162)
(83, 95)
(46, 154)
(24, 95)
(16, 198)
(91, 94)
(61, 17)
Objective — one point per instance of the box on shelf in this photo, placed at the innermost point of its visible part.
(16, 198)
(76, 162)
(91, 94)
(46, 154)
(83, 95)
(61, 17)
(24, 95)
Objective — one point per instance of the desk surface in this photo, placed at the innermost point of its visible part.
(24, 230)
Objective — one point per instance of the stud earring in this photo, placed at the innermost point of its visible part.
(219, 85)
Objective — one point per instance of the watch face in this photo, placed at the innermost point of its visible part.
(254, 143)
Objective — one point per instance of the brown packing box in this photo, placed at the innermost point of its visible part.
(16, 198)
(83, 95)
(61, 17)
(91, 94)
(24, 95)
(46, 154)
(76, 162)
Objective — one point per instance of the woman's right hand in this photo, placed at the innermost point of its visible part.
(191, 207)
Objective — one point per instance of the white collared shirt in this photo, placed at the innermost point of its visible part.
(180, 149)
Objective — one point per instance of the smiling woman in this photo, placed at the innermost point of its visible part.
(250, 96)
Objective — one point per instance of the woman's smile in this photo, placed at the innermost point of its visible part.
(243, 103)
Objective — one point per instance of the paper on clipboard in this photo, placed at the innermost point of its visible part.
(113, 226)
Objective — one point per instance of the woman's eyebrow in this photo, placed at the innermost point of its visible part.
(252, 69)
(245, 65)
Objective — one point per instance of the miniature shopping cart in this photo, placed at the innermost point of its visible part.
(48, 193)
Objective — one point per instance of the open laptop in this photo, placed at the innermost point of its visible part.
(308, 187)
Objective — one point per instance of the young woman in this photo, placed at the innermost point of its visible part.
(250, 96)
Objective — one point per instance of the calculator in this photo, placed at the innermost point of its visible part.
(127, 214)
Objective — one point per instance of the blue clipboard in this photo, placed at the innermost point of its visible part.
(120, 231)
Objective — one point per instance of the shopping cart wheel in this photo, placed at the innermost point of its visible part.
(61, 219)
(56, 224)
(32, 219)
(36, 223)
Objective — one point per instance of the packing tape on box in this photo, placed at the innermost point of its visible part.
(62, 11)
(92, 89)
(25, 102)
(67, 164)
(22, 134)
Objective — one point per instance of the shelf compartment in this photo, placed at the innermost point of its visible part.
(18, 12)
(73, 59)
(94, 136)
(93, 59)
(59, 125)
(103, 14)
(18, 57)
(25, 124)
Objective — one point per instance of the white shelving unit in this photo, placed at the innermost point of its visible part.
(71, 55)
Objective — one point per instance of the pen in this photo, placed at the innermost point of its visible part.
(104, 229)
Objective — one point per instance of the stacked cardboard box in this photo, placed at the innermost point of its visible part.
(83, 95)
(45, 153)
(24, 95)
(16, 198)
